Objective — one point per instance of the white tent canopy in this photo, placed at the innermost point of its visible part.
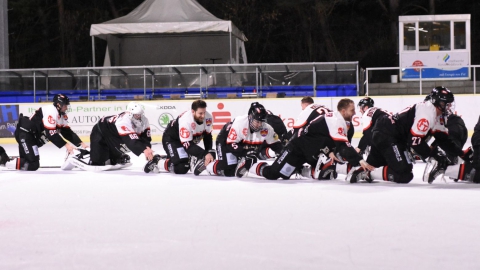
(173, 22)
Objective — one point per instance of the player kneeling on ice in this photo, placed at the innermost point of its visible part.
(243, 137)
(48, 123)
(280, 131)
(393, 137)
(458, 133)
(466, 169)
(113, 137)
(180, 141)
(320, 136)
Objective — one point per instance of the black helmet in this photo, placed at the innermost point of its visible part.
(366, 101)
(257, 112)
(442, 98)
(252, 106)
(59, 100)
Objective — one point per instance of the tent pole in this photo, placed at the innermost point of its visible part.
(93, 51)
(230, 39)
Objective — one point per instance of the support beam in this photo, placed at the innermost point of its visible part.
(176, 70)
(150, 71)
(94, 72)
(43, 73)
(68, 72)
(122, 71)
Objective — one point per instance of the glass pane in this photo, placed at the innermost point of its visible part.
(459, 35)
(434, 36)
(409, 36)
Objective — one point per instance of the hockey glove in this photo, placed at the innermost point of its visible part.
(212, 152)
(42, 140)
(440, 157)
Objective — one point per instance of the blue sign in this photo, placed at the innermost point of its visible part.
(435, 73)
(8, 120)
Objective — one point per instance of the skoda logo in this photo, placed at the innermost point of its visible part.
(164, 119)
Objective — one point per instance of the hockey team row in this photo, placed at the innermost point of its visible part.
(317, 147)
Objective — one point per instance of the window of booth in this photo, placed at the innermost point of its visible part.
(434, 36)
(459, 35)
(409, 36)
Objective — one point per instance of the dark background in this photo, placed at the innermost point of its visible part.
(55, 33)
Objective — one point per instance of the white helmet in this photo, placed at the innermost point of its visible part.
(135, 113)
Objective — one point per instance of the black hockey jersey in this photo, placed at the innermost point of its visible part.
(310, 112)
(277, 124)
(46, 121)
(476, 135)
(369, 118)
(327, 133)
(135, 138)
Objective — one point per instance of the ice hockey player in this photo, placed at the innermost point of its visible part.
(116, 135)
(241, 138)
(4, 158)
(48, 123)
(370, 114)
(266, 152)
(320, 136)
(457, 131)
(393, 136)
(310, 111)
(462, 170)
(180, 141)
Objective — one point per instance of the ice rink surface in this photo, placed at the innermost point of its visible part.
(53, 219)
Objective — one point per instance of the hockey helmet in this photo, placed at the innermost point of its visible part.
(59, 100)
(257, 116)
(366, 101)
(135, 112)
(442, 98)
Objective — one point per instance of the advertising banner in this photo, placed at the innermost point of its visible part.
(8, 120)
(435, 65)
(82, 116)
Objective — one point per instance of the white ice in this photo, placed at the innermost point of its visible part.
(53, 219)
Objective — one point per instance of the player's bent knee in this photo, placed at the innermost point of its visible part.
(33, 166)
(181, 168)
(403, 178)
(230, 171)
(271, 174)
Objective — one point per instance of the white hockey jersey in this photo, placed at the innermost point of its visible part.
(426, 119)
(125, 126)
(337, 126)
(240, 132)
(52, 119)
(190, 130)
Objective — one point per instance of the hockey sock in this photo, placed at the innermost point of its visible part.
(343, 168)
(457, 171)
(212, 168)
(163, 165)
(257, 168)
(13, 165)
(379, 173)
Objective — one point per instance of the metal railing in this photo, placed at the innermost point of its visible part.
(188, 79)
(421, 80)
